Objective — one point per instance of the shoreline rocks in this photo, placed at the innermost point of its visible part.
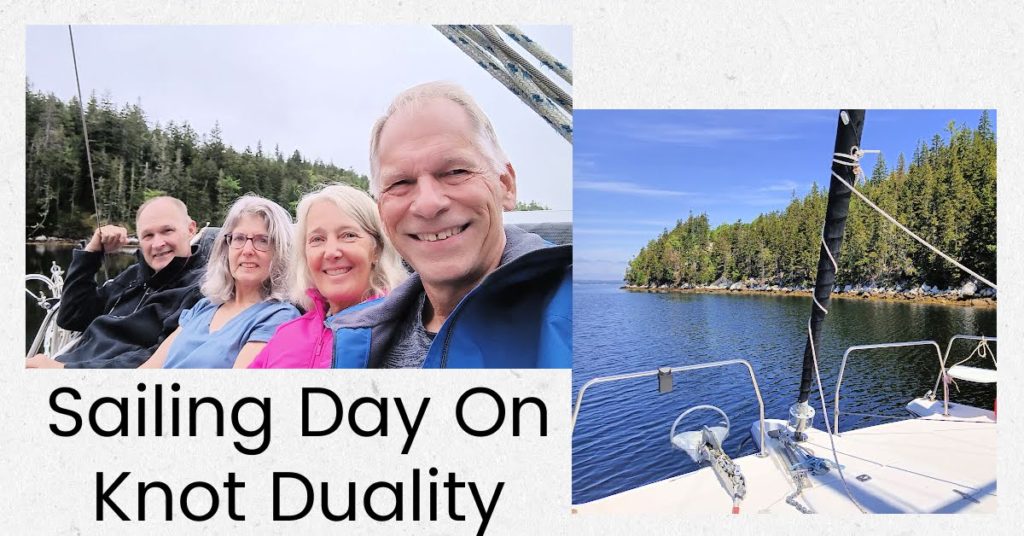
(970, 294)
(43, 239)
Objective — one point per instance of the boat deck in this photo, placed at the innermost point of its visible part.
(931, 464)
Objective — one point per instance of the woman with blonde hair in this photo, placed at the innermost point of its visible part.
(244, 289)
(342, 262)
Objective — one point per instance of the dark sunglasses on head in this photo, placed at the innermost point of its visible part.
(237, 241)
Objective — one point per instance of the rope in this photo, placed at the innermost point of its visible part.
(817, 373)
(853, 160)
(561, 97)
(947, 379)
(982, 350)
(523, 76)
(820, 306)
(828, 427)
(520, 78)
(532, 47)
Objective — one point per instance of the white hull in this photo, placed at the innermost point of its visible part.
(931, 464)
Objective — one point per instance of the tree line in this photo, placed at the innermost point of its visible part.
(947, 195)
(133, 162)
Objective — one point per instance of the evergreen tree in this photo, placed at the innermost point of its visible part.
(134, 161)
(946, 195)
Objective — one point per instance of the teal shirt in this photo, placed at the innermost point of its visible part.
(196, 347)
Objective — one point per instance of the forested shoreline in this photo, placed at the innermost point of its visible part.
(947, 194)
(133, 161)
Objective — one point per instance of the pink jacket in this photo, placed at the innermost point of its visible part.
(301, 343)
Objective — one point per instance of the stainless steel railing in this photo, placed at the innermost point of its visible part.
(672, 370)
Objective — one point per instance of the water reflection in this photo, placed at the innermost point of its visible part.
(621, 437)
(39, 258)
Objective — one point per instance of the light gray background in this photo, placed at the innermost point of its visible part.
(50, 481)
(726, 54)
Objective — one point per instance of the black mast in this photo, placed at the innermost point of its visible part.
(848, 133)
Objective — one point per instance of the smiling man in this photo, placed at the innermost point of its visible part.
(483, 295)
(125, 320)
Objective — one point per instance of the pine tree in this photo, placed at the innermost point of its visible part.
(946, 194)
(134, 162)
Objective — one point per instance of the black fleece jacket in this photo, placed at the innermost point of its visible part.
(124, 320)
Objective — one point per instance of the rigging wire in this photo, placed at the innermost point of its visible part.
(85, 129)
(88, 153)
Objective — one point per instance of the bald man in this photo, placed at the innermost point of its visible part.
(483, 295)
(125, 320)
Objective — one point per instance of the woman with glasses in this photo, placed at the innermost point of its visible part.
(244, 289)
(342, 262)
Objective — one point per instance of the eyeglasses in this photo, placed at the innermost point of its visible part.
(237, 241)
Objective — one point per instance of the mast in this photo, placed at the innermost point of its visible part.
(848, 133)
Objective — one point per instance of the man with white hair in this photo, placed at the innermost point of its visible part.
(483, 295)
(125, 320)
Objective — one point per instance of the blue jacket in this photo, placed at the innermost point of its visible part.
(519, 316)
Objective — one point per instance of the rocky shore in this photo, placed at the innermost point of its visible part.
(43, 239)
(969, 294)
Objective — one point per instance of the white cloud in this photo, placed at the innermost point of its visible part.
(784, 186)
(607, 232)
(701, 136)
(624, 187)
(619, 219)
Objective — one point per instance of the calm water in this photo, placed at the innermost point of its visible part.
(38, 259)
(621, 437)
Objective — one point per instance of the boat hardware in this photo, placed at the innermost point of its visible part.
(619, 377)
(664, 380)
(799, 461)
(53, 340)
(982, 350)
(49, 337)
(846, 355)
(801, 417)
(844, 163)
(967, 496)
(705, 445)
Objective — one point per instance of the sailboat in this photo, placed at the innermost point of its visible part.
(941, 460)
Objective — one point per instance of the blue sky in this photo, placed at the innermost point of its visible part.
(315, 88)
(637, 171)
